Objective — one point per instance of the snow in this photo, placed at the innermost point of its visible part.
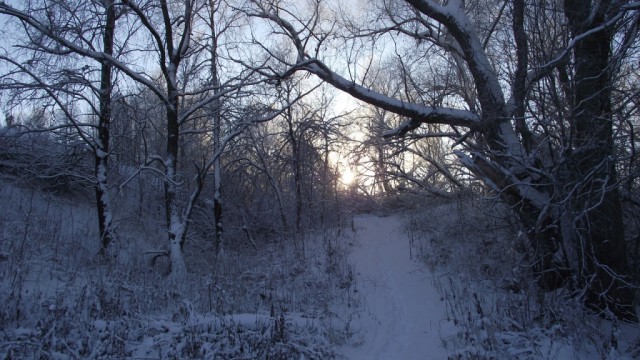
(431, 114)
(101, 176)
(403, 316)
(266, 302)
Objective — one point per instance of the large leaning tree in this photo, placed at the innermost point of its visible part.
(534, 112)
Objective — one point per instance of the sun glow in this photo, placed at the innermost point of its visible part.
(347, 176)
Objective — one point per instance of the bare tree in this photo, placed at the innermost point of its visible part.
(427, 168)
(65, 82)
(171, 35)
(169, 28)
(283, 170)
(105, 218)
(217, 124)
(571, 213)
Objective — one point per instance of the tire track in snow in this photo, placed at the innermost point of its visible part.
(402, 314)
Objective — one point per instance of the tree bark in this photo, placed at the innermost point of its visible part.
(176, 221)
(598, 225)
(217, 124)
(101, 151)
(295, 149)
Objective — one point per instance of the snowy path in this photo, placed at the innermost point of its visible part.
(402, 315)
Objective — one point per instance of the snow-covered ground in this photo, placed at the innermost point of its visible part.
(428, 289)
(403, 316)
(264, 302)
(443, 281)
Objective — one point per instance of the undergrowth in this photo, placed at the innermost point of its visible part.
(481, 262)
(62, 302)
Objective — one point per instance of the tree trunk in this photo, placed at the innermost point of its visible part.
(217, 207)
(599, 229)
(217, 124)
(325, 182)
(297, 182)
(176, 225)
(177, 221)
(101, 151)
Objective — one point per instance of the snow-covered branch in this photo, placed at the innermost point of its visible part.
(417, 113)
(47, 31)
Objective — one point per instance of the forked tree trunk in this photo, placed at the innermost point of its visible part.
(583, 219)
(582, 214)
(177, 221)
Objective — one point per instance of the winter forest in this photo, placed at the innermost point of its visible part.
(319, 179)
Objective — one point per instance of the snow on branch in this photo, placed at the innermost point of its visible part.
(501, 179)
(405, 127)
(417, 113)
(46, 30)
